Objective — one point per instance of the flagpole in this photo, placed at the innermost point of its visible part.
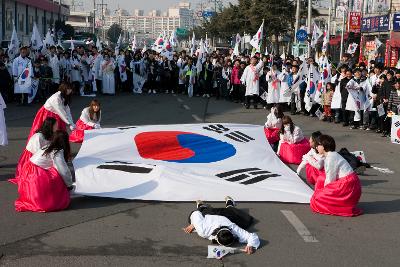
(342, 35)
(328, 32)
(309, 26)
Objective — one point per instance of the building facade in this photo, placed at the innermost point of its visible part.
(155, 22)
(23, 14)
(82, 21)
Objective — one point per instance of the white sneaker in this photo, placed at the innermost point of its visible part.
(149, 92)
(154, 92)
(172, 92)
(204, 95)
(167, 92)
(208, 96)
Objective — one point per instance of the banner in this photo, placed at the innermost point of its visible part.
(395, 133)
(185, 162)
(375, 24)
(354, 22)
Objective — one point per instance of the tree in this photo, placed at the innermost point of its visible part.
(69, 31)
(113, 33)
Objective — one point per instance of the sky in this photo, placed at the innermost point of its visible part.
(130, 5)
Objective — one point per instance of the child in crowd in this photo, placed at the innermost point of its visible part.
(327, 96)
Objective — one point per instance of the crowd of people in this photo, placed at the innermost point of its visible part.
(44, 179)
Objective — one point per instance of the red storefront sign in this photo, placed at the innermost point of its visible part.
(394, 57)
(354, 22)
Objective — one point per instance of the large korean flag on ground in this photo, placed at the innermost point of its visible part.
(185, 163)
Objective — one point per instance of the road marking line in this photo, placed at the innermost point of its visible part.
(186, 107)
(196, 118)
(179, 100)
(299, 226)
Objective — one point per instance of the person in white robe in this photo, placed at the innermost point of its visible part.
(274, 85)
(54, 64)
(95, 72)
(3, 128)
(19, 65)
(285, 92)
(107, 71)
(359, 88)
(250, 78)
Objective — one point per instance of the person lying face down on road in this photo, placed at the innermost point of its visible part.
(223, 226)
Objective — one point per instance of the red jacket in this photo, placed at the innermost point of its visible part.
(235, 75)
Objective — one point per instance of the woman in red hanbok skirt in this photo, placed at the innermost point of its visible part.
(45, 180)
(40, 139)
(312, 161)
(292, 144)
(274, 125)
(90, 119)
(56, 106)
(338, 190)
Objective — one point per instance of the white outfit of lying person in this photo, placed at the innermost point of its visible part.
(205, 225)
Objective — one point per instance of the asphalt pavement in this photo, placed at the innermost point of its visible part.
(115, 232)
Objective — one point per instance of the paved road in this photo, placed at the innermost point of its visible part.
(103, 232)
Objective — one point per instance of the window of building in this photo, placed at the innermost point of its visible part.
(9, 18)
(21, 24)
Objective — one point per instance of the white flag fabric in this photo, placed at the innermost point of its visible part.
(34, 89)
(312, 82)
(173, 39)
(98, 45)
(14, 44)
(325, 43)
(378, 43)
(218, 252)
(167, 50)
(158, 45)
(134, 43)
(192, 45)
(325, 72)
(316, 34)
(200, 57)
(24, 81)
(49, 41)
(256, 40)
(36, 39)
(238, 40)
(117, 47)
(185, 162)
(138, 82)
(395, 133)
(352, 48)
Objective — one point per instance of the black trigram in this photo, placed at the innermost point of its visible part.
(246, 176)
(124, 167)
(397, 124)
(235, 135)
(239, 136)
(219, 128)
(126, 128)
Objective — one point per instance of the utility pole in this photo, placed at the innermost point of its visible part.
(345, 9)
(101, 7)
(297, 25)
(94, 16)
(328, 31)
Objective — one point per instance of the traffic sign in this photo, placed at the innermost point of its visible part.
(208, 14)
(301, 35)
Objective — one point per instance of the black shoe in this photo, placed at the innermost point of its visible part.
(255, 107)
(247, 106)
(345, 124)
(229, 202)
